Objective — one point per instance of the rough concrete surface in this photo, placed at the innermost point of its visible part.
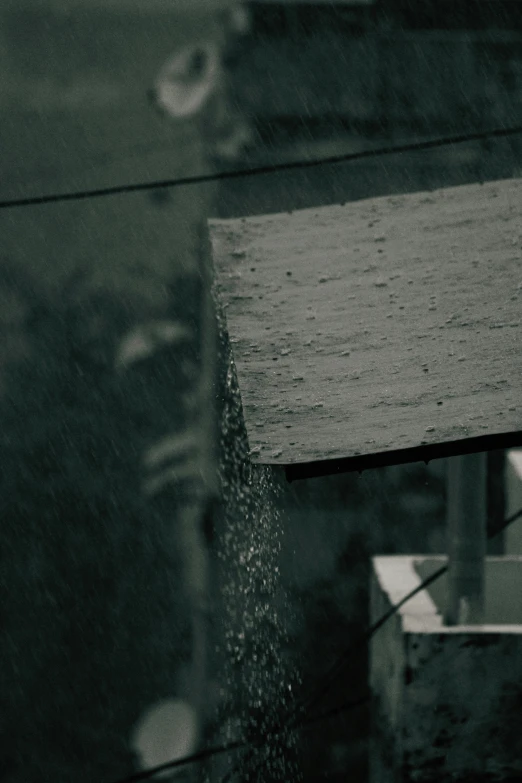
(385, 324)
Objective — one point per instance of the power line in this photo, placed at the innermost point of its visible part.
(207, 753)
(115, 190)
(201, 755)
(256, 171)
(332, 674)
(318, 693)
(507, 522)
(331, 713)
(335, 670)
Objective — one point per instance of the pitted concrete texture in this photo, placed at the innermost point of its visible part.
(446, 701)
(385, 325)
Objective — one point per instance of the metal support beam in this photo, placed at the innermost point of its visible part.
(467, 535)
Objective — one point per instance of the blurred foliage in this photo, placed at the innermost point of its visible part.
(93, 619)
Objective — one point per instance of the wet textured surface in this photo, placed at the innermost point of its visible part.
(380, 325)
(97, 627)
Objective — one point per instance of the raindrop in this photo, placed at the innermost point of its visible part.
(252, 619)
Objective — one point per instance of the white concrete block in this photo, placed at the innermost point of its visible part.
(447, 701)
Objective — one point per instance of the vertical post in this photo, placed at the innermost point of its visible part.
(497, 501)
(466, 519)
(513, 479)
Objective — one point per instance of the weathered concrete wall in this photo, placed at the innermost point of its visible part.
(446, 701)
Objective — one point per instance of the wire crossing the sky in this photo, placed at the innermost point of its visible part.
(115, 190)
(333, 673)
(324, 685)
(200, 179)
